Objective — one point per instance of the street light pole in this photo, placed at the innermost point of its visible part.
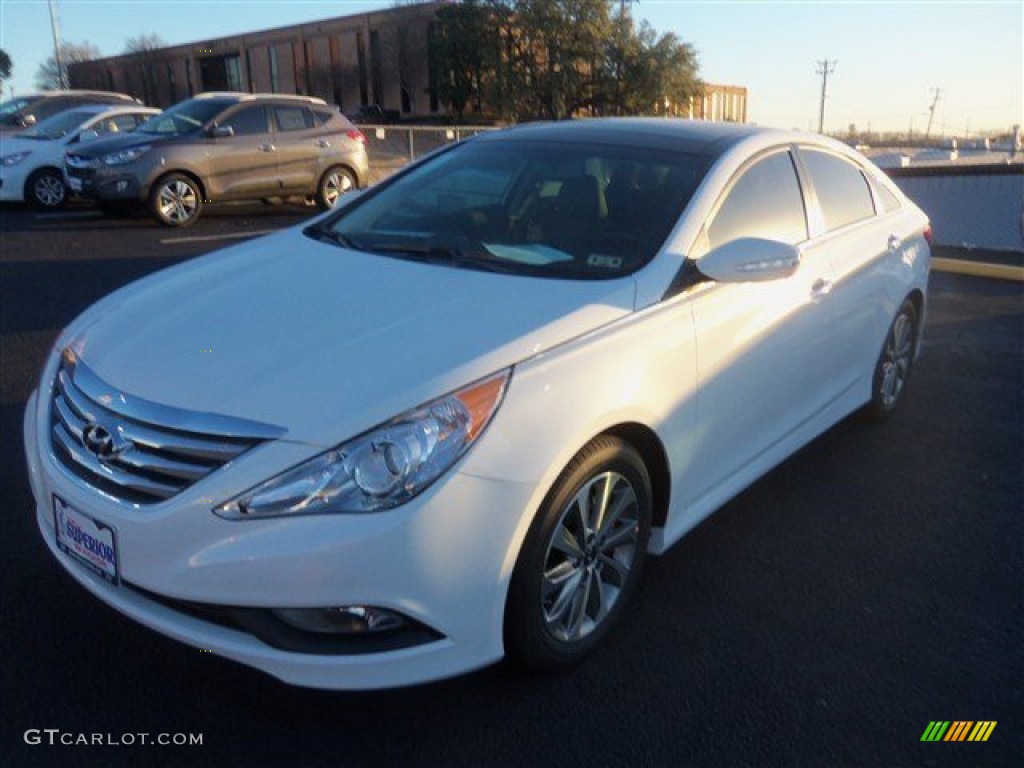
(55, 28)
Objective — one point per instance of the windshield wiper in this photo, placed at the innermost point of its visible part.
(330, 236)
(443, 253)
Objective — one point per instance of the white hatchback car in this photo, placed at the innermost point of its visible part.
(447, 421)
(32, 162)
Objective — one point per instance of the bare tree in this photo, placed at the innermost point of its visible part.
(147, 52)
(49, 75)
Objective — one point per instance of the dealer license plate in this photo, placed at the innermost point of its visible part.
(88, 541)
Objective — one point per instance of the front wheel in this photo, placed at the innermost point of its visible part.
(335, 183)
(45, 189)
(582, 558)
(176, 200)
(894, 363)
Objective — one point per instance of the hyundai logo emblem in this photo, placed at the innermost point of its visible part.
(103, 442)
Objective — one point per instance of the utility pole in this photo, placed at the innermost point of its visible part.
(55, 28)
(825, 68)
(931, 111)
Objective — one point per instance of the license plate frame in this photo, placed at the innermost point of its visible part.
(86, 540)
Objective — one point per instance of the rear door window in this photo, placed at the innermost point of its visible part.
(765, 202)
(293, 118)
(842, 190)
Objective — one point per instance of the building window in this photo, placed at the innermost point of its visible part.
(375, 68)
(364, 98)
(275, 81)
(173, 81)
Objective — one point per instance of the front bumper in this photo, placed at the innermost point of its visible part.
(104, 183)
(444, 560)
(12, 183)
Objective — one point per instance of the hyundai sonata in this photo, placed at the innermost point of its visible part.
(447, 421)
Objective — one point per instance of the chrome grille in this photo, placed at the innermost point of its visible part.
(123, 452)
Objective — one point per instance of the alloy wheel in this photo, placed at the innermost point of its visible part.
(896, 360)
(48, 190)
(177, 201)
(589, 556)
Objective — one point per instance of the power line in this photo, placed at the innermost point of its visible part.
(825, 68)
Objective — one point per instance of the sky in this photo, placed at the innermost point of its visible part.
(889, 56)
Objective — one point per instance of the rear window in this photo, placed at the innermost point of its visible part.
(322, 118)
(841, 188)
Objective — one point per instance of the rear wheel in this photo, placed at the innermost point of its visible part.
(894, 362)
(45, 189)
(582, 558)
(335, 183)
(176, 200)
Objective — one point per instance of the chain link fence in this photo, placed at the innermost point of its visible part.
(389, 147)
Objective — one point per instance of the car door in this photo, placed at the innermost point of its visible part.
(858, 244)
(298, 148)
(762, 347)
(244, 164)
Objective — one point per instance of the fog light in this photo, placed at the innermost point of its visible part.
(122, 186)
(342, 620)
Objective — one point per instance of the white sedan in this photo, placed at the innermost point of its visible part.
(446, 422)
(32, 162)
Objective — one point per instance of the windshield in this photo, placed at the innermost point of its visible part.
(58, 126)
(527, 207)
(11, 106)
(186, 117)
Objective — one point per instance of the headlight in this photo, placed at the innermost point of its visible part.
(125, 156)
(17, 157)
(381, 468)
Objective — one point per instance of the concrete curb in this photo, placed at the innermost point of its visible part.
(979, 269)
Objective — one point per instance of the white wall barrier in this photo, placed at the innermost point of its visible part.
(976, 207)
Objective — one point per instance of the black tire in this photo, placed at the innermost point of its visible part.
(889, 380)
(536, 637)
(333, 185)
(45, 190)
(176, 200)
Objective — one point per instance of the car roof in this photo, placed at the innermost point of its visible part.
(240, 96)
(693, 136)
(115, 109)
(75, 92)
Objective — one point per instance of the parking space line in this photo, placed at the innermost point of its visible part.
(979, 269)
(208, 238)
(68, 215)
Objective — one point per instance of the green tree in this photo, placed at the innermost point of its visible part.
(50, 76)
(5, 67)
(558, 58)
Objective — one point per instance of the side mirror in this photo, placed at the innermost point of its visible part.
(750, 260)
(88, 135)
(221, 132)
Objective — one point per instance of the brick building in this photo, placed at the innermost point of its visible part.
(382, 57)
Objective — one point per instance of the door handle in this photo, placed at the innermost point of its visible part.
(323, 144)
(267, 148)
(895, 243)
(821, 289)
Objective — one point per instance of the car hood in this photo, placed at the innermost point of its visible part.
(104, 146)
(322, 341)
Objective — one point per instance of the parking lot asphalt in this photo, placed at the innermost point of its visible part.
(869, 585)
